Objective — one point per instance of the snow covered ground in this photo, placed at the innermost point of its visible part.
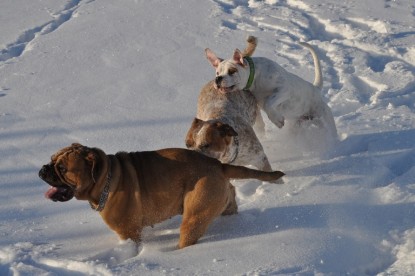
(125, 75)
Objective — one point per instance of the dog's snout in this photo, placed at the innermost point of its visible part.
(43, 172)
(218, 80)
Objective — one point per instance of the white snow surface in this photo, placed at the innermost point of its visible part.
(125, 76)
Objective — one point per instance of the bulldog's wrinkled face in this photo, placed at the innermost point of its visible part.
(212, 138)
(59, 191)
(70, 173)
(231, 74)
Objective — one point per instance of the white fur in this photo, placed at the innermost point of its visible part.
(281, 94)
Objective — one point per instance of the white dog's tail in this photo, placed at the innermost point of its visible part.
(318, 79)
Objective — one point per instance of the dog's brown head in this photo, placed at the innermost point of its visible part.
(211, 138)
(73, 171)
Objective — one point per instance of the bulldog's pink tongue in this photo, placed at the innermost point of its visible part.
(51, 192)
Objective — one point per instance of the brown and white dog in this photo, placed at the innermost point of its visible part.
(282, 95)
(223, 127)
(138, 189)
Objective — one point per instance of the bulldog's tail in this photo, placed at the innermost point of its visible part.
(318, 79)
(240, 172)
(250, 48)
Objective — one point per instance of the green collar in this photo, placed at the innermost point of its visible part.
(251, 73)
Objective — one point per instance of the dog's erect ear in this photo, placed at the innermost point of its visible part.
(226, 130)
(238, 57)
(213, 59)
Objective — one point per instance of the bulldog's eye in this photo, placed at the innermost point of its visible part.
(232, 71)
(204, 146)
(62, 169)
(217, 73)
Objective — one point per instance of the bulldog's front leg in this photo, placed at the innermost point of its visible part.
(127, 228)
(134, 235)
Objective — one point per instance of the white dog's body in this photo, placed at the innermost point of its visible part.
(282, 95)
(223, 128)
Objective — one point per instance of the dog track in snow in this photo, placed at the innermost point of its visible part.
(360, 75)
(347, 46)
(23, 42)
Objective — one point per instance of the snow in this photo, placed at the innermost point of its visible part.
(126, 76)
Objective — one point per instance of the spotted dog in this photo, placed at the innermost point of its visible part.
(223, 127)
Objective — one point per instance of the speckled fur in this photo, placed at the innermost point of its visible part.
(240, 111)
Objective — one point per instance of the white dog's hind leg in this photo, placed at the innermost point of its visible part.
(329, 122)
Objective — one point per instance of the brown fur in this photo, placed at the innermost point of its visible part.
(149, 187)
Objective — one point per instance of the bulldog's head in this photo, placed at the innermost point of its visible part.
(231, 74)
(73, 171)
(212, 138)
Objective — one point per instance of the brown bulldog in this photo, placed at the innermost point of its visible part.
(138, 189)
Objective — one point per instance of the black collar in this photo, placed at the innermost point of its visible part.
(104, 195)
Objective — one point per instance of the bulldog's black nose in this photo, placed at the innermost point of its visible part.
(43, 172)
(218, 80)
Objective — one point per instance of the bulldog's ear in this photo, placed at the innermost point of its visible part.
(196, 122)
(238, 57)
(76, 145)
(213, 59)
(91, 157)
(226, 130)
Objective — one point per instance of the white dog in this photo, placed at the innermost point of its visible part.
(282, 95)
